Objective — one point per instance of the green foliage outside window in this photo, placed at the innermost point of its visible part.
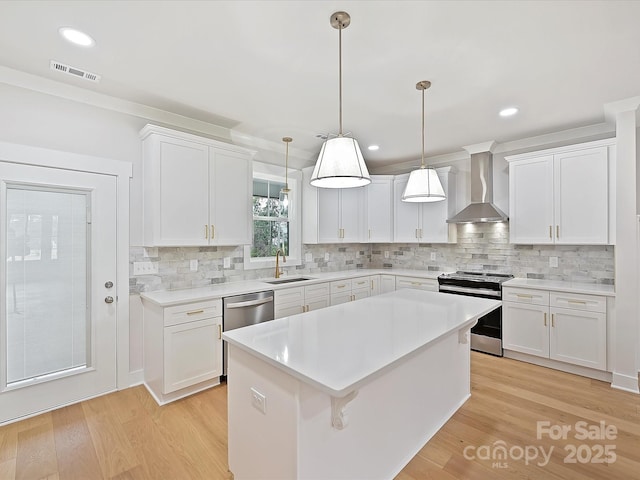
(270, 219)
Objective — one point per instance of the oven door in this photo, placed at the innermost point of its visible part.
(486, 335)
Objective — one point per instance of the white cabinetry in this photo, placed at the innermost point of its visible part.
(378, 208)
(291, 301)
(182, 348)
(425, 222)
(350, 289)
(563, 195)
(566, 327)
(387, 283)
(428, 284)
(197, 191)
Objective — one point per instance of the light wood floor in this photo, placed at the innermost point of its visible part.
(125, 435)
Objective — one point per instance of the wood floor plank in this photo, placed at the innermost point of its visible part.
(8, 469)
(8, 442)
(76, 455)
(115, 453)
(36, 456)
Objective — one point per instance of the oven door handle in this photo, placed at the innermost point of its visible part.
(471, 291)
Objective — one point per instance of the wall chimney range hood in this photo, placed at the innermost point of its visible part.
(481, 209)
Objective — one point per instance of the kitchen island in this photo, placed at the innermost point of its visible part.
(350, 391)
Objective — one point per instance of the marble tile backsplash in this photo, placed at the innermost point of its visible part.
(480, 247)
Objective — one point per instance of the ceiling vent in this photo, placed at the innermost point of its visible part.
(75, 72)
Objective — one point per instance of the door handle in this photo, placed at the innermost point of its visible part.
(545, 319)
(250, 303)
(206, 232)
(219, 332)
(108, 284)
(553, 321)
(550, 232)
(557, 231)
(108, 300)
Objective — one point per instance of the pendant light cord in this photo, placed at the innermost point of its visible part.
(340, 72)
(422, 162)
(286, 168)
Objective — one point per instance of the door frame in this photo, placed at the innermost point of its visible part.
(123, 171)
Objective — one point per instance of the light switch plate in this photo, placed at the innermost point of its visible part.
(553, 262)
(258, 400)
(433, 255)
(326, 256)
(386, 254)
(193, 265)
(308, 257)
(226, 263)
(145, 268)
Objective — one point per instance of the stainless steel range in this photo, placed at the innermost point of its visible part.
(486, 335)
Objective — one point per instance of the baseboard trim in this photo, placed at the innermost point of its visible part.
(628, 383)
(135, 378)
(564, 367)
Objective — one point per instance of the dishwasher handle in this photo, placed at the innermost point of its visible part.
(250, 303)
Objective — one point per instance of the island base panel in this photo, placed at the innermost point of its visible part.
(392, 417)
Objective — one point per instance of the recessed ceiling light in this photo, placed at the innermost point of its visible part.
(77, 37)
(508, 112)
(373, 147)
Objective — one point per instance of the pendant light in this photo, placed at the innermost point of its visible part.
(340, 163)
(284, 193)
(424, 184)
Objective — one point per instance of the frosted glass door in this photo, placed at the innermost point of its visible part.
(58, 297)
(47, 261)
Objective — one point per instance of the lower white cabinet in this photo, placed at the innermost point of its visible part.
(428, 284)
(294, 300)
(352, 289)
(182, 348)
(387, 283)
(566, 327)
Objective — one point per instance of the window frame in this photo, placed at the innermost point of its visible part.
(275, 173)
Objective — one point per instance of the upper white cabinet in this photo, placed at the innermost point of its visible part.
(331, 215)
(563, 196)
(425, 222)
(197, 191)
(378, 208)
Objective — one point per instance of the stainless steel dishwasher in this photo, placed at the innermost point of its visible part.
(244, 310)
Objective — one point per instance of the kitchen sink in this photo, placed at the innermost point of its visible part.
(288, 280)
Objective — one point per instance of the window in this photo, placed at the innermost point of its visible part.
(274, 225)
(270, 219)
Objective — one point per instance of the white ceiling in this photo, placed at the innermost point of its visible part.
(269, 68)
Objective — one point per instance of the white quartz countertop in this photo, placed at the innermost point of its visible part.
(560, 286)
(166, 298)
(339, 348)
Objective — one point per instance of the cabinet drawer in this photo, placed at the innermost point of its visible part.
(341, 286)
(360, 284)
(192, 311)
(578, 301)
(318, 290)
(525, 295)
(416, 282)
(289, 295)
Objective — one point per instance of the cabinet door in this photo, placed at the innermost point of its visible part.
(351, 214)
(525, 328)
(578, 337)
(374, 280)
(317, 303)
(231, 194)
(387, 283)
(329, 215)
(342, 297)
(287, 310)
(531, 201)
(358, 294)
(379, 208)
(405, 214)
(192, 353)
(433, 218)
(178, 180)
(582, 197)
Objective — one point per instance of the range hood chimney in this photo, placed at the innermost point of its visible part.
(481, 208)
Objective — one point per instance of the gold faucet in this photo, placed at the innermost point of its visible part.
(284, 260)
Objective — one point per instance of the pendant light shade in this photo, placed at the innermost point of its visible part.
(424, 184)
(284, 193)
(340, 163)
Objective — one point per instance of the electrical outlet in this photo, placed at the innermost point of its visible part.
(308, 257)
(386, 254)
(226, 262)
(193, 265)
(553, 262)
(326, 256)
(258, 400)
(433, 255)
(145, 268)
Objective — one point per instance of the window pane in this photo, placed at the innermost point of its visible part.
(47, 283)
(268, 236)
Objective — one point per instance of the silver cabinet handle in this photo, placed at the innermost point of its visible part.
(108, 300)
(250, 303)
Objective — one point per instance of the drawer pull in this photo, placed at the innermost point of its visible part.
(524, 295)
(545, 319)
(340, 286)
(416, 283)
(195, 312)
(578, 302)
